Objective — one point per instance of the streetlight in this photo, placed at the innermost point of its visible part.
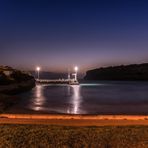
(76, 72)
(76, 69)
(38, 70)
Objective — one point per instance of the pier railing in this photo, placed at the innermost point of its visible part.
(57, 81)
(54, 81)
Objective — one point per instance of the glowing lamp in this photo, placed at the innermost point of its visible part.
(38, 68)
(76, 68)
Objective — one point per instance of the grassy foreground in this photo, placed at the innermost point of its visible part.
(47, 136)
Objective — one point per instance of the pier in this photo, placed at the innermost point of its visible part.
(54, 81)
(69, 80)
(57, 81)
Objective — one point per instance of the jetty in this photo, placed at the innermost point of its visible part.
(69, 80)
(57, 81)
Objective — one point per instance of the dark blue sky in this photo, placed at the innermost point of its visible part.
(57, 34)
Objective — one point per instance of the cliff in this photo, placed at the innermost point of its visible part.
(14, 81)
(128, 72)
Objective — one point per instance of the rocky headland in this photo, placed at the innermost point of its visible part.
(12, 82)
(134, 72)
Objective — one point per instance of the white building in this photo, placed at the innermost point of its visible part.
(7, 72)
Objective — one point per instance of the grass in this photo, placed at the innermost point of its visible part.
(46, 136)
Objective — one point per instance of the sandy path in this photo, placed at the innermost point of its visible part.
(74, 120)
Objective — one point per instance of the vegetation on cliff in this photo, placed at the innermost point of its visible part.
(14, 81)
(11, 76)
(128, 72)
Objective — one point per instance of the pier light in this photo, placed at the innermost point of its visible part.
(76, 72)
(38, 68)
(38, 71)
(76, 68)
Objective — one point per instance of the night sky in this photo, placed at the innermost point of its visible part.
(57, 34)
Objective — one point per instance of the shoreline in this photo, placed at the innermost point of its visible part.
(75, 120)
(16, 109)
(74, 116)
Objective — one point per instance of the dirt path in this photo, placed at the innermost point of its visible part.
(74, 120)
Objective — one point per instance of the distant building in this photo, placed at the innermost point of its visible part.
(7, 72)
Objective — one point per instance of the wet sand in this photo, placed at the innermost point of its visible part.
(74, 120)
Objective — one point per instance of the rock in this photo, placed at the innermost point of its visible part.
(128, 72)
(14, 81)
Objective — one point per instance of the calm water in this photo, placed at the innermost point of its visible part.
(88, 98)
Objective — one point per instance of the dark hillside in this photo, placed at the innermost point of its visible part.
(128, 72)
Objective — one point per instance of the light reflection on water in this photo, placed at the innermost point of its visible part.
(96, 98)
(75, 99)
(87, 84)
(38, 99)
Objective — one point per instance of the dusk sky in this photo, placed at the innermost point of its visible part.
(57, 34)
